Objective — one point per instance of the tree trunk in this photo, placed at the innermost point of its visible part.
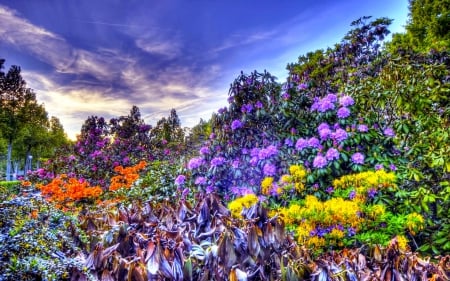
(8, 162)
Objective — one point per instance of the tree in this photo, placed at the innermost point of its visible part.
(427, 27)
(14, 98)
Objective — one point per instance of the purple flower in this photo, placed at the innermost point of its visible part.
(325, 105)
(378, 167)
(293, 131)
(254, 152)
(236, 124)
(288, 142)
(180, 180)
(346, 101)
(351, 231)
(332, 154)
(285, 96)
(324, 133)
(363, 128)
(254, 161)
(358, 158)
(339, 135)
(217, 161)
(247, 108)
(200, 180)
(222, 110)
(314, 142)
(269, 170)
(393, 167)
(235, 163)
(352, 195)
(371, 193)
(185, 193)
(331, 97)
(319, 161)
(330, 190)
(343, 112)
(204, 150)
(259, 105)
(265, 153)
(323, 126)
(389, 132)
(209, 189)
(194, 163)
(212, 136)
(301, 144)
(302, 86)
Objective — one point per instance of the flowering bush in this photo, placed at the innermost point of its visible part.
(66, 191)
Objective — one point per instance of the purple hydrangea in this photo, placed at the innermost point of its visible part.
(254, 152)
(346, 101)
(389, 132)
(358, 158)
(319, 161)
(325, 105)
(267, 152)
(332, 154)
(343, 112)
(269, 169)
(217, 161)
(200, 180)
(259, 105)
(363, 128)
(301, 144)
(180, 180)
(236, 124)
(204, 150)
(314, 142)
(324, 133)
(339, 135)
(331, 97)
(194, 163)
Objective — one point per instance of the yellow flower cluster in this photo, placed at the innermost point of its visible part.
(266, 185)
(365, 181)
(236, 206)
(375, 211)
(402, 242)
(298, 175)
(314, 212)
(414, 222)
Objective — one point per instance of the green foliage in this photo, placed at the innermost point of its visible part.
(37, 241)
(8, 189)
(427, 28)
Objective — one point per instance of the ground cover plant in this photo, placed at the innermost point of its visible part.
(332, 175)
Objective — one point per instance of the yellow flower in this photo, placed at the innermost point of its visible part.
(236, 206)
(285, 179)
(402, 242)
(266, 185)
(414, 222)
(336, 234)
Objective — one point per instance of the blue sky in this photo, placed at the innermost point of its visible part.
(91, 57)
